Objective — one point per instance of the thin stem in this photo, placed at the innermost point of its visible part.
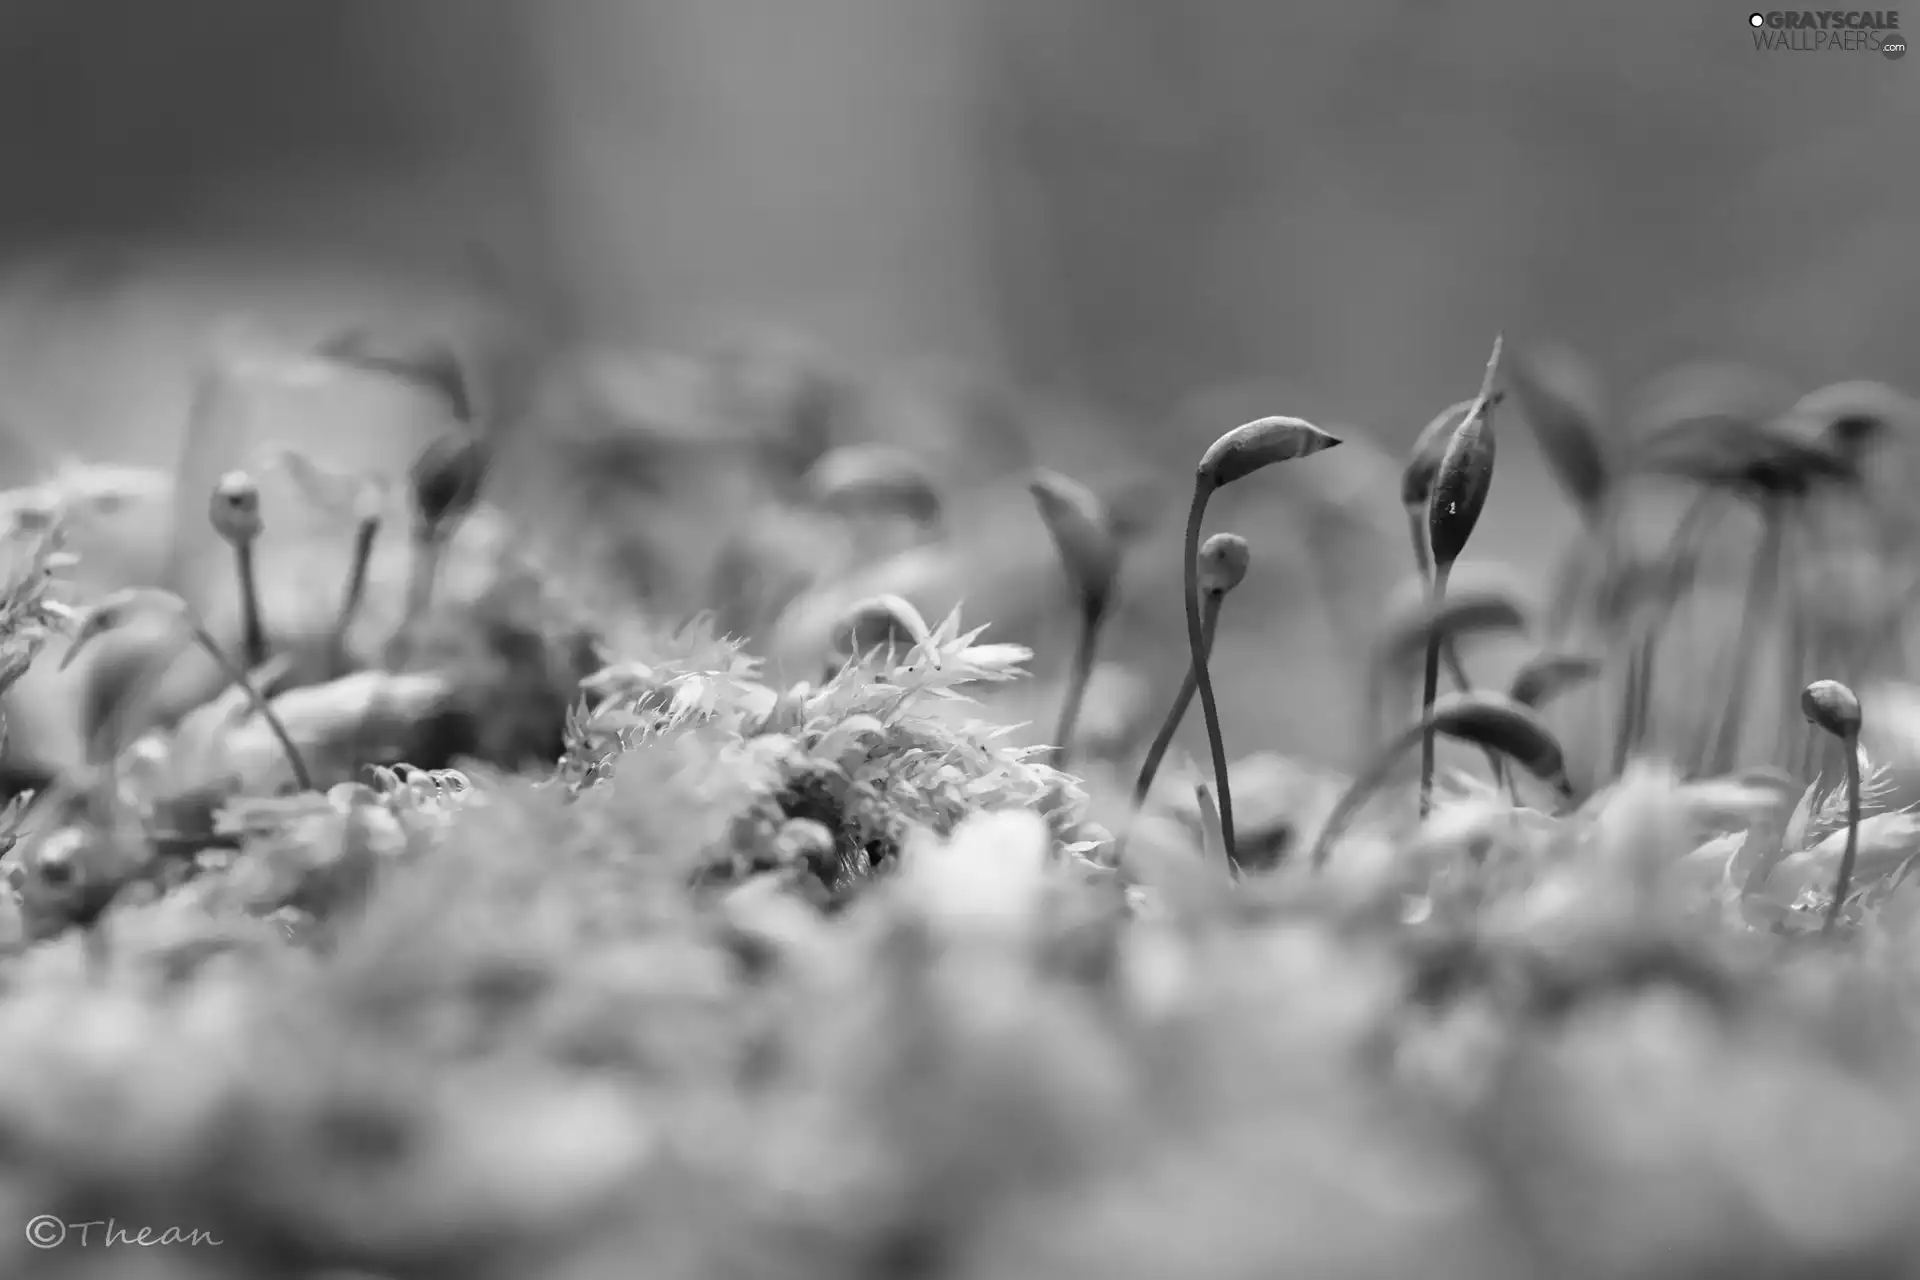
(1163, 740)
(1762, 583)
(239, 677)
(1449, 652)
(420, 581)
(1684, 551)
(1844, 882)
(1429, 690)
(252, 631)
(1087, 644)
(1627, 732)
(1197, 651)
(363, 539)
(1417, 535)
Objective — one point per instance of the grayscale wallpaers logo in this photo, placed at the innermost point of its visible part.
(1830, 31)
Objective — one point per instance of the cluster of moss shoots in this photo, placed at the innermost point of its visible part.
(1445, 485)
(444, 484)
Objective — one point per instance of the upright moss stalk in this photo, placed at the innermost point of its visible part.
(446, 480)
(234, 511)
(1461, 482)
(1833, 707)
(1223, 564)
(366, 532)
(1083, 534)
(1235, 455)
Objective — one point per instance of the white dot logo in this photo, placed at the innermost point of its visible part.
(1756, 19)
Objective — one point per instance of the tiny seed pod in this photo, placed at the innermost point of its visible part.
(234, 508)
(1082, 532)
(1260, 443)
(1223, 563)
(1833, 707)
(880, 620)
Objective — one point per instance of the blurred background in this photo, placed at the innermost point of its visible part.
(1169, 217)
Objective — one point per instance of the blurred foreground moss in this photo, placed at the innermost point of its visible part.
(630, 1020)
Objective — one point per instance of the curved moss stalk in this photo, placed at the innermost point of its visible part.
(1197, 654)
(1833, 707)
(1086, 645)
(1234, 456)
(253, 629)
(110, 611)
(1163, 740)
(1082, 530)
(365, 533)
(233, 509)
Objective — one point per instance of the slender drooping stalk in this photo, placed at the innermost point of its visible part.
(1833, 707)
(1237, 454)
(422, 573)
(1163, 740)
(1202, 679)
(1223, 563)
(1461, 480)
(365, 533)
(1083, 535)
(1086, 645)
(446, 480)
(115, 608)
(1843, 883)
(234, 511)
